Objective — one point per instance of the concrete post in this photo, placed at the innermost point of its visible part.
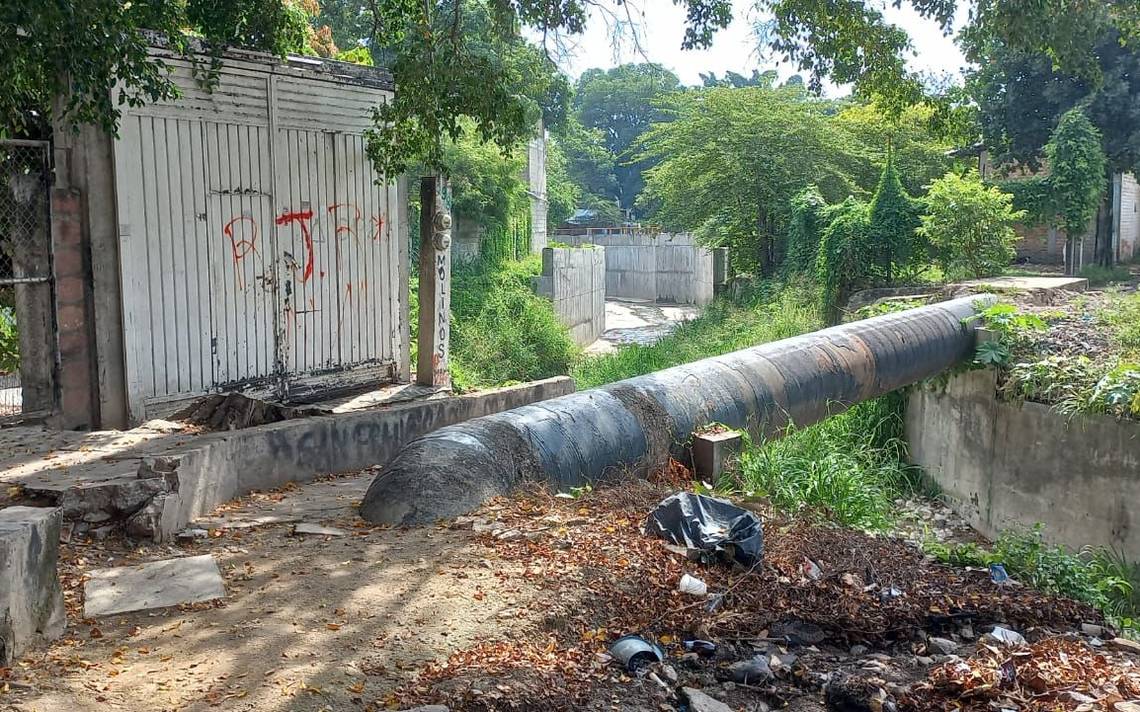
(435, 284)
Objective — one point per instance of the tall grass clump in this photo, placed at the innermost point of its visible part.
(501, 331)
(850, 467)
(770, 313)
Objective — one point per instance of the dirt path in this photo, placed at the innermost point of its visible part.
(309, 623)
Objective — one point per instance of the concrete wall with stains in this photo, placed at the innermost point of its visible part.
(1004, 464)
(659, 268)
(1128, 214)
(574, 280)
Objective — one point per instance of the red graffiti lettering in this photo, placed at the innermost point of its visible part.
(378, 221)
(302, 217)
(239, 248)
(345, 227)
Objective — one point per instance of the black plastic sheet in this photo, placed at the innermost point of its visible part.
(709, 525)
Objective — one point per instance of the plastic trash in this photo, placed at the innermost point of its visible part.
(1007, 636)
(998, 574)
(703, 648)
(812, 570)
(692, 586)
(714, 601)
(635, 652)
(712, 525)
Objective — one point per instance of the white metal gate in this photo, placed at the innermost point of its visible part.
(258, 250)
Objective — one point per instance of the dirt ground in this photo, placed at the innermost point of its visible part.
(515, 608)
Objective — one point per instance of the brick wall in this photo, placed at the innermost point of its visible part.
(76, 378)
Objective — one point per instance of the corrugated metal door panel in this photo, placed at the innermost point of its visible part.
(340, 290)
(240, 222)
(253, 254)
(132, 254)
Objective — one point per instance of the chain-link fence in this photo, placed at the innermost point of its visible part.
(25, 272)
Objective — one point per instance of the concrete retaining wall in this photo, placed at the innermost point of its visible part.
(1006, 464)
(574, 279)
(661, 268)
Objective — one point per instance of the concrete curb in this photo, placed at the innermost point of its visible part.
(633, 426)
(177, 485)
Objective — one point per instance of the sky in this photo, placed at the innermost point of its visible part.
(733, 47)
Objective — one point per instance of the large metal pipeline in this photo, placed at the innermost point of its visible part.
(633, 426)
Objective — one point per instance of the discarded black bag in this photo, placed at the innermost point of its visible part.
(710, 525)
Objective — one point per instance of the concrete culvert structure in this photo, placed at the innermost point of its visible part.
(633, 426)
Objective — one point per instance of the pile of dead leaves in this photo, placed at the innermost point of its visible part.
(1052, 674)
(603, 578)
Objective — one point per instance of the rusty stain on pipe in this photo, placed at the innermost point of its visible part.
(636, 424)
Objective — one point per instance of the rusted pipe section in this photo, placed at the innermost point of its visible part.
(636, 424)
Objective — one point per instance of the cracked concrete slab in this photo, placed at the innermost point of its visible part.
(159, 584)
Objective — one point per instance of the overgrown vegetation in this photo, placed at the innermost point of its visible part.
(1071, 383)
(502, 332)
(969, 226)
(1099, 275)
(850, 468)
(9, 341)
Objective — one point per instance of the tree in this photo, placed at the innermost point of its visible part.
(850, 41)
(563, 193)
(1022, 96)
(894, 217)
(1076, 178)
(915, 143)
(805, 228)
(845, 263)
(731, 161)
(737, 80)
(622, 103)
(486, 184)
(588, 162)
(969, 226)
(94, 52)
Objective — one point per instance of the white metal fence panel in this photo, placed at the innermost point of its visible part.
(256, 242)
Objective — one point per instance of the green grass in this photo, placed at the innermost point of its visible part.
(771, 313)
(1098, 275)
(849, 468)
(1123, 317)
